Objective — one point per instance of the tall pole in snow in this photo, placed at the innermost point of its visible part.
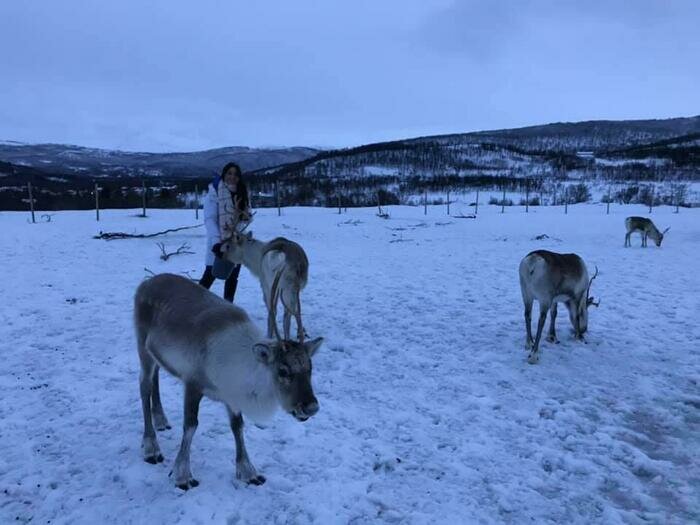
(476, 206)
(607, 212)
(143, 197)
(527, 195)
(31, 201)
(503, 200)
(425, 202)
(196, 201)
(448, 202)
(277, 196)
(97, 202)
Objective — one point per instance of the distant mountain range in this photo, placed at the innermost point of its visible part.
(532, 151)
(63, 160)
(628, 152)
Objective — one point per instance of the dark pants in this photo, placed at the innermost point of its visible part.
(229, 285)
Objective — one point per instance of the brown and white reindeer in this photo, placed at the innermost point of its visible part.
(265, 260)
(646, 228)
(552, 278)
(216, 351)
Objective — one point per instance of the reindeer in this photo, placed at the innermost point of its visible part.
(265, 260)
(646, 228)
(552, 278)
(216, 351)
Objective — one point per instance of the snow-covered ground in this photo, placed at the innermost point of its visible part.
(429, 410)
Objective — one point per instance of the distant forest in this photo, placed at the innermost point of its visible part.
(399, 172)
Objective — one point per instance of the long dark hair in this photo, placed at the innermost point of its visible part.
(241, 187)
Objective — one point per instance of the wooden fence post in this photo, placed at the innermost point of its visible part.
(527, 195)
(651, 199)
(340, 205)
(31, 201)
(277, 196)
(97, 202)
(566, 201)
(607, 212)
(196, 201)
(448, 202)
(143, 197)
(503, 200)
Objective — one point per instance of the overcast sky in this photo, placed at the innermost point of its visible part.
(159, 75)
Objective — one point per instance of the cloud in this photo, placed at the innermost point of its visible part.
(184, 75)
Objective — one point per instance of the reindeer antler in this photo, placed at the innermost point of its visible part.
(589, 300)
(664, 232)
(594, 276)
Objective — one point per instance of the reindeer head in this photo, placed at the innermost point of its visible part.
(660, 237)
(289, 363)
(582, 312)
(233, 247)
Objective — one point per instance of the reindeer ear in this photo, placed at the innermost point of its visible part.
(264, 352)
(313, 345)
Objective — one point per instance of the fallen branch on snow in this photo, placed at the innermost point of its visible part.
(110, 236)
(183, 249)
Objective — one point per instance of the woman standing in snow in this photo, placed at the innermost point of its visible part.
(225, 204)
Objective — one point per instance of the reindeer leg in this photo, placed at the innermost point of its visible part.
(552, 337)
(245, 471)
(534, 354)
(270, 317)
(301, 333)
(627, 239)
(181, 469)
(159, 419)
(287, 324)
(528, 322)
(149, 443)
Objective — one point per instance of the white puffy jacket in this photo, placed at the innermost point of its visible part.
(211, 223)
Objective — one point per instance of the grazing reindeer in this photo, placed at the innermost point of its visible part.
(216, 351)
(265, 260)
(551, 278)
(646, 229)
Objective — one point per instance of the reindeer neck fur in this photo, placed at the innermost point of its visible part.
(242, 382)
(253, 255)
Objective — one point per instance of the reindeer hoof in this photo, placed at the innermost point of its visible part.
(257, 480)
(154, 459)
(553, 339)
(192, 483)
(533, 359)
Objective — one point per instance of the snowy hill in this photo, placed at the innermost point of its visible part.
(632, 152)
(524, 152)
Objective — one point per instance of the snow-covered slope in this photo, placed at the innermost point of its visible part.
(429, 411)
